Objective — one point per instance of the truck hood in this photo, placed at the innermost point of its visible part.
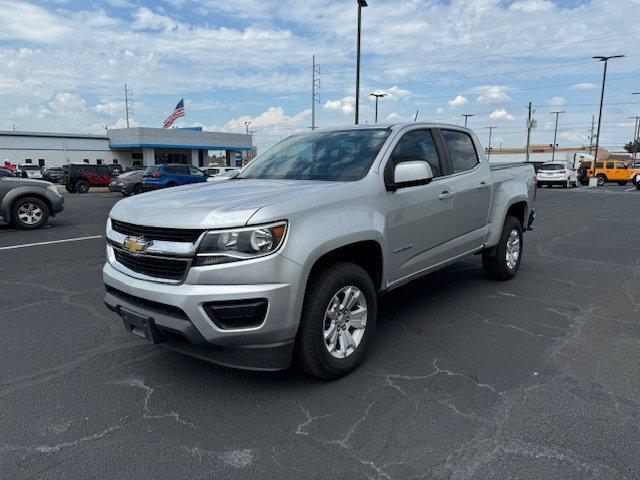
(213, 205)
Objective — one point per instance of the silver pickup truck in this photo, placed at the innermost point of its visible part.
(285, 261)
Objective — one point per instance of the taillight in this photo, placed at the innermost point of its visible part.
(563, 171)
(158, 175)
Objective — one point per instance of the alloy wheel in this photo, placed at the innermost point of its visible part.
(345, 321)
(513, 249)
(30, 213)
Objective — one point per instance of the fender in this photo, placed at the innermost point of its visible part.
(5, 206)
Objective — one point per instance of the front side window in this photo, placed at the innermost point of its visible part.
(461, 150)
(418, 145)
(343, 155)
(194, 171)
(621, 165)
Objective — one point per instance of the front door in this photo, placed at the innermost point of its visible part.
(419, 218)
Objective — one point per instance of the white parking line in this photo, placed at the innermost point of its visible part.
(629, 189)
(25, 245)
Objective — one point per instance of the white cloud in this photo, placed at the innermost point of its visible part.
(148, 20)
(394, 93)
(556, 101)
(500, 114)
(272, 117)
(395, 117)
(584, 86)
(344, 106)
(109, 108)
(492, 94)
(440, 110)
(458, 101)
(532, 6)
(573, 135)
(67, 102)
(23, 21)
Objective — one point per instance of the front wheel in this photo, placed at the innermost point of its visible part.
(502, 262)
(29, 213)
(338, 320)
(82, 186)
(602, 179)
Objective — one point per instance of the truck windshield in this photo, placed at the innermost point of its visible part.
(344, 155)
(552, 166)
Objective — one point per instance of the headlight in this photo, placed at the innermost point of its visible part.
(233, 245)
(53, 188)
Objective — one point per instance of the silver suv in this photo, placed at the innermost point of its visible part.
(285, 260)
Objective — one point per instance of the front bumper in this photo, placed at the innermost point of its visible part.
(180, 308)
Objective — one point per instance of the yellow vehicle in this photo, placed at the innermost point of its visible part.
(612, 171)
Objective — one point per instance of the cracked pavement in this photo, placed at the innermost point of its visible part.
(467, 378)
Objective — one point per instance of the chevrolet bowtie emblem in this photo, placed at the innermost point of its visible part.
(135, 245)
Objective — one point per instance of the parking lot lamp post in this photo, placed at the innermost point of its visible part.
(377, 95)
(489, 147)
(466, 117)
(555, 134)
(246, 127)
(361, 4)
(636, 133)
(594, 182)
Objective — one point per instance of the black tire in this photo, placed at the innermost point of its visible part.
(137, 189)
(311, 354)
(622, 184)
(69, 188)
(494, 262)
(637, 186)
(32, 204)
(82, 186)
(602, 179)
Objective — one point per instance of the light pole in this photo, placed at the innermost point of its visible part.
(377, 95)
(489, 148)
(361, 4)
(555, 134)
(636, 133)
(246, 127)
(593, 181)
(466, 116)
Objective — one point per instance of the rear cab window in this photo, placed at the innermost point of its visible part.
(552, 166)
(461, 149)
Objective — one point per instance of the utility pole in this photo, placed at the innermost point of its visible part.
(315, 94)
(377, 95)
(128, 102)
(361, 4)
(594, 182)
(635, 136)
(466, 117)
(531, 123)
(489, 148)
(555, 134)
(593, 126)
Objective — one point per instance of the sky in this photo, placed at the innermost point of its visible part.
(64, 64)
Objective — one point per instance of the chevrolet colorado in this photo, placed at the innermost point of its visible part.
(285, 260)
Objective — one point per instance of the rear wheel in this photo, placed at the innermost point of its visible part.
(503, 261)
(82, 186)
(29, 213)
(602, 179)
(338, 320)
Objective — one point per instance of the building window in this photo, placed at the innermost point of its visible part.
(86, 160)
(41, 162)
(27, 160)
(115, 161)
(99, 161)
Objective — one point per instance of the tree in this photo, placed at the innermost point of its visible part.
(629, 147)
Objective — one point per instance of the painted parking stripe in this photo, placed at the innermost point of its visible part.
(67, 240)
(629, 189)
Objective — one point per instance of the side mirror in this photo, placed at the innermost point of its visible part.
(411, 173)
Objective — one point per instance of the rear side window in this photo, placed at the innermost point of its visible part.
(195, 172)
(461, 150)
(610, 165)
(182, 169)
(418, 145)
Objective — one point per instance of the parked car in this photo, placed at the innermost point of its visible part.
(129, 183)
(287, 259)
(636, 181)
(53, 174)
(612, 171)
(115, 169)
(213, 170)
(556, 173)
(27, 203)
(219, 177)
(78, 178)
(6, 172)
(28, 170)
(171, 175)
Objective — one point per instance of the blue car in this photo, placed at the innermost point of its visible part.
(171, 175)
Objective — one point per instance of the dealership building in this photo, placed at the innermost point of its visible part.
(127, 147)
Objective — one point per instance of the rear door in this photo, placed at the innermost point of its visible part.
(471, 183)
(419, 218)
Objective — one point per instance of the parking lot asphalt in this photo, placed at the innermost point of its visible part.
(467, 378)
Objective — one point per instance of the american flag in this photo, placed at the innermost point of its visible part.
(177, 113)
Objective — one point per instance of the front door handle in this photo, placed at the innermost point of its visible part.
(483, 186)
(444, 195)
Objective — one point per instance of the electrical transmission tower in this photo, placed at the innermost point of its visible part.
(315, 92)
(128, 102)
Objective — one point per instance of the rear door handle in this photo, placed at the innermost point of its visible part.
(444, 195)
(483, 186)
